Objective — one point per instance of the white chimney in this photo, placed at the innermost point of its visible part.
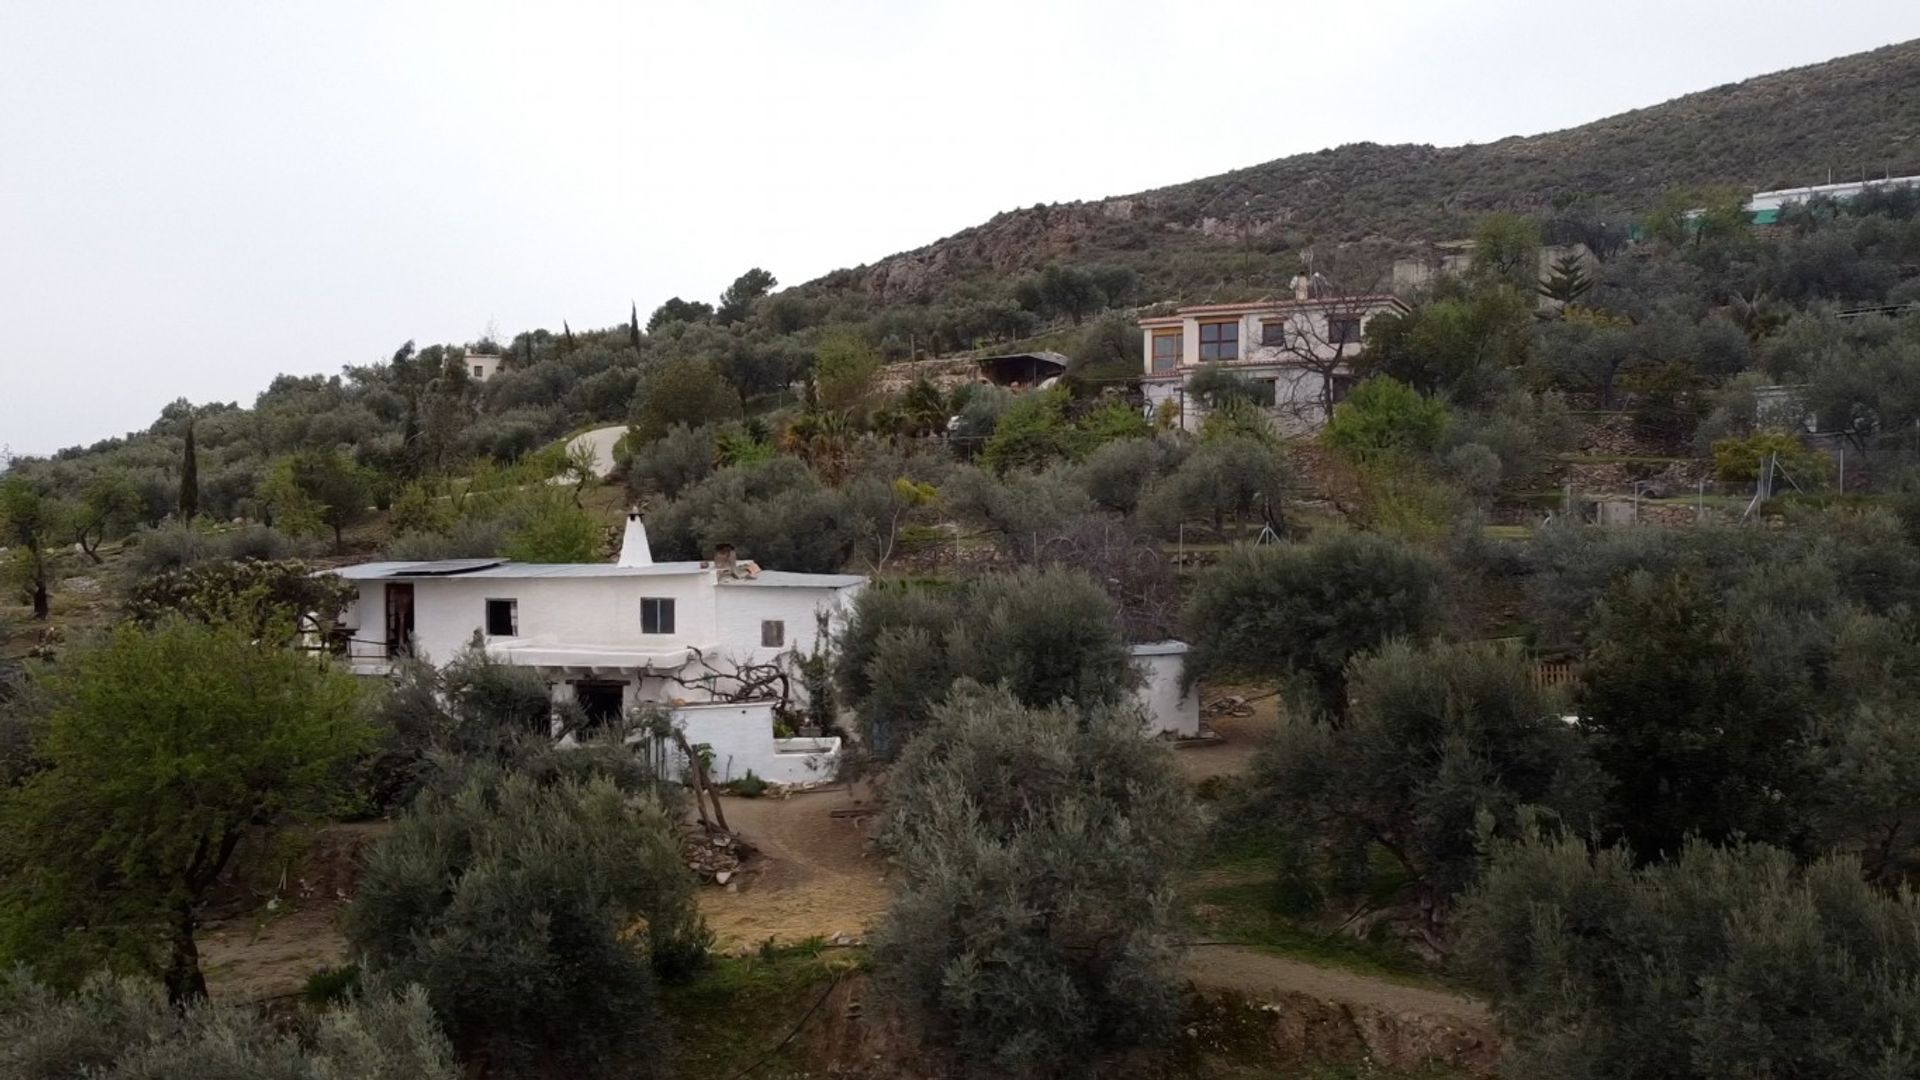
(633, 546)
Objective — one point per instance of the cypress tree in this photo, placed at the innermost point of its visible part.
(189, 479)
(567, 332)
(633, 326)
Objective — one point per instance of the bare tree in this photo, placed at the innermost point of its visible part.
(1318, 338)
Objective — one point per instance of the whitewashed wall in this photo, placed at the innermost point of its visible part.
(1170, 710)
(741, 738)
(742, 607)
(584, 611)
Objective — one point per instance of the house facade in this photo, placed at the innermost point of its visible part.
(612, 636)
(1299, 351)
(716, 641)
(482, 366)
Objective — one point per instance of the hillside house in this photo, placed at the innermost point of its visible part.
(611, 636)
(482, 366)
(1298, 350)
(716, 640)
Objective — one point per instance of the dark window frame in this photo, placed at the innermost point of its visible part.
(776, 629)
(656, 615)
(1273, 333)
(513, 616)
(1350, 336)
(1225, 345)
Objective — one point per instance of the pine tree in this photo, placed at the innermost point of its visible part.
(189, 479)
(1568, 280)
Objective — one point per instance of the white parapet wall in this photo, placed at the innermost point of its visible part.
(740, 737)
(1171, 709)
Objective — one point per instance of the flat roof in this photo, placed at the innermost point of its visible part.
(493, 569)
(1172, 647)
(1363, 301)
(787, 579)
(500, 568)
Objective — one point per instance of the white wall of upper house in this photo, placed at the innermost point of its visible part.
(588, 611)
(724, 620)
(1296, 333)
(744, 609)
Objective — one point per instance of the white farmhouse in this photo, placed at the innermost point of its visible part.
(611, 636)
(1299, 351)
(697, 636)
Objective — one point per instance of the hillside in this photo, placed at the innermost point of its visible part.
(1778, 130)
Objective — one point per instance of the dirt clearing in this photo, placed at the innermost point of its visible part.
(814, 876)
(1241, 737)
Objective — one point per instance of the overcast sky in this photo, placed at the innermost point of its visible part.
(196, 196)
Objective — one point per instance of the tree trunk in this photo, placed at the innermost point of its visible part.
(339, 545)
(184, 980)
(41, 606)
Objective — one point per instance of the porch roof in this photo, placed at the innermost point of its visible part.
(530, 652)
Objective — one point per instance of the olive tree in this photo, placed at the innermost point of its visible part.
(1295, 614)
(1440, 743)
(537, 915)
(1032, 932)
(163, 752)
(1725, 961)
(1046, 635)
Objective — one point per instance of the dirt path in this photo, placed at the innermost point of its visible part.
(814, 877)
(602, 441)
(1231, 967)
(1240, 739)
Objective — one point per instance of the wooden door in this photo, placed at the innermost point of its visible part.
(399, 618)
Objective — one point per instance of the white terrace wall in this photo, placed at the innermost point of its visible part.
(741, 738)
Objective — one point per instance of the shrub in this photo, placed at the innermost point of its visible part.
(1115, 474)
(1032, 930)
(551, 529)
(1297, 613)
(124, 1029)
(258, 543)
(1698, 733)
(1723, 962)
(1034, 432)
(1214, 385)
(775, 512)
(1027, 510)
(279, 599)
(680, 390)
(1224, 477)
(163, 752)
(1045, 635)
(171, 545)
(1440, 743)
(1115, 420)
(749, 786)
(537, 917)
(1384, 418)
(1743, 459)
(676, 461)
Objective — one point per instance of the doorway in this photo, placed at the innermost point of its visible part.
(601, 700)
(399, 618)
